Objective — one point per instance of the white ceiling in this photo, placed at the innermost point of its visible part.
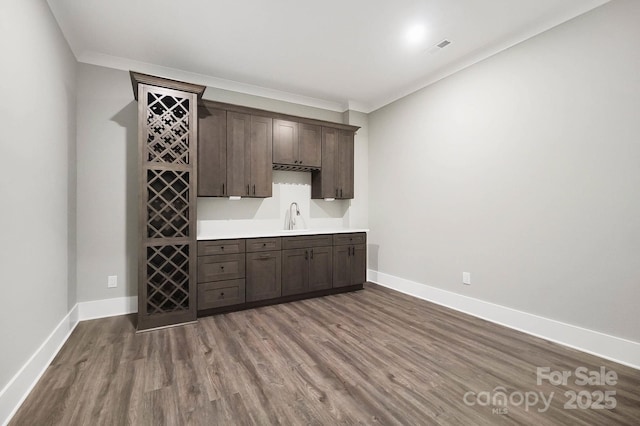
(334, 54)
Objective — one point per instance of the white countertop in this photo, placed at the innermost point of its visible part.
(274, 233)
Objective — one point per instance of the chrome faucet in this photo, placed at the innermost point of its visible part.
(292, 219)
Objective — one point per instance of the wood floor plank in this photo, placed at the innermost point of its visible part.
(368, 357)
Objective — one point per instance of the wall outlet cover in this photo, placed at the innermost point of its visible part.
(112, 281)
(466, 278)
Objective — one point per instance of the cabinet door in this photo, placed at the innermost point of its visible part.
(285, 142)
(295, 271)
(263, 280)
(323, 182)
(212, 152)
(261, 153)
(310, 145)
(344, 172)
(320, 268)
(358, 264)
(341, 266)
(238, 158)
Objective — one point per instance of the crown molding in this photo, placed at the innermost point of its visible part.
(124, 64)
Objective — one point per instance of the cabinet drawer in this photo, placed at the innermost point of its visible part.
(346, 239)
(206, 248)
(220, 293)
(306, 241)
(220, 267)
(263, 244)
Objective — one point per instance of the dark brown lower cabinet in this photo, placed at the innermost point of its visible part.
(237, 274)
(264, 275)
(306, 270)
(349, 265)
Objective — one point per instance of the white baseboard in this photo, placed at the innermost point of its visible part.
(622, 351)
(19, 387)
(107, 307)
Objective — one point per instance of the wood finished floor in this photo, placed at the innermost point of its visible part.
(369, 357)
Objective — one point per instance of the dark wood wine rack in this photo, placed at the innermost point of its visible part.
(167, 142)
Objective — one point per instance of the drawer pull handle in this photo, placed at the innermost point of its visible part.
(306, 255)
(265, 256)
(311, 253)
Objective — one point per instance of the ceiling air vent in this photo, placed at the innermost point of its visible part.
(438, 47)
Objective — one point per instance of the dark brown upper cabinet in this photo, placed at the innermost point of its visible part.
(296, 146)
(335, 180)
(260, 152)
(238, 154)
(239, 147)
(235, 151)
(212, 152)
(345, 161)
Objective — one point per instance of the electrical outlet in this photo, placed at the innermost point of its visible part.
(112, 281)
(466, 278)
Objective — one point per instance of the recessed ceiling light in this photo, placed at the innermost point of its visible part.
(415, 34)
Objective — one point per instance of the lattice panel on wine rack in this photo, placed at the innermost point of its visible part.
(167, 203)
(167, 278)
(167, 129)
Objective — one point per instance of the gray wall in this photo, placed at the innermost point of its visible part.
(524, 170)
(37, 79)
(107, 182)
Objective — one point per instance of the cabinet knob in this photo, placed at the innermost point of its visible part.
(222, 248)
(222, 294)
(222, 268)
(264, 244)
